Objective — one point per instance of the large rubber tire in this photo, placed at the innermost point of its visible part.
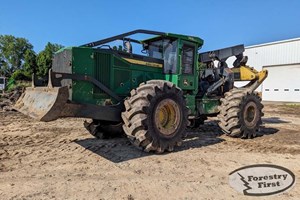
(104, 129)
(150, 110)
(240, 113)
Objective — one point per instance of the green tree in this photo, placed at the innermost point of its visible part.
(12, 52)
(44, 58)
(30, 65)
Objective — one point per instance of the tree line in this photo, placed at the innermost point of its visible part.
(19, 61)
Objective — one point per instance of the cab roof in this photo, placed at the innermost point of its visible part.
(193, 39)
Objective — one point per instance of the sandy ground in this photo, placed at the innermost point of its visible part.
(60, 160)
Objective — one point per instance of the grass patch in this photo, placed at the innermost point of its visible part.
(293, 105)
(18, 84)
(291, 108)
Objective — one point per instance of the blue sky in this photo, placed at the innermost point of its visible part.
(219, 23)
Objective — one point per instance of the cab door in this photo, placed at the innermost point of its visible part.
(188, 64)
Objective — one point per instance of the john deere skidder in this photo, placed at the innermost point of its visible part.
(153, 97)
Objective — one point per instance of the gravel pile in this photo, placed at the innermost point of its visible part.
(8, 99)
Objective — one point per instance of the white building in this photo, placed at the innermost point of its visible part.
(282, 60)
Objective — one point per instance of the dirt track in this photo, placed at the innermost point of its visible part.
(60, 160)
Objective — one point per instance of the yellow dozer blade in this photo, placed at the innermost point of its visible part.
(43, 103)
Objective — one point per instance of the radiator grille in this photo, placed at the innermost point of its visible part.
(102, 70)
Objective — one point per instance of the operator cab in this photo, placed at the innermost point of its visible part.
(179, 53)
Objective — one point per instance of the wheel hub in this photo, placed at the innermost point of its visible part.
(250, 114)
(167, 117)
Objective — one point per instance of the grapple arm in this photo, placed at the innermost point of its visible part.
(246, 73)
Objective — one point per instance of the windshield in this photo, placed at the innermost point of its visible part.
(1, 80)
(155, 49)
(165, 49)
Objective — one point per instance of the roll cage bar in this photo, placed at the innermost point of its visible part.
(123, 37)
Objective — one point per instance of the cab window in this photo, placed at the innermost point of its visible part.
(155, 49)
(165, 49)
(170, 56)
(187, 59)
